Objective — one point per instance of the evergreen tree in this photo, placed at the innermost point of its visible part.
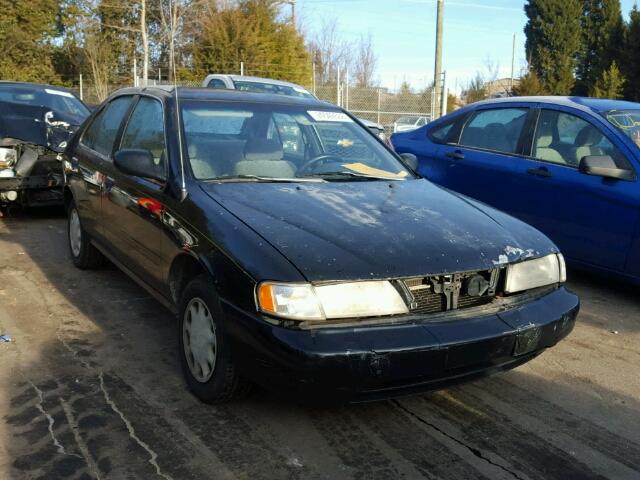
(250, 32)
(529, 85)
(553, 41)
(631, 56)
(610, 84)
(602, 36)
(26, 31)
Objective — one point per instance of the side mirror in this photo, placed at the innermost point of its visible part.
(138, 162)
(604, 166)
(410, 161)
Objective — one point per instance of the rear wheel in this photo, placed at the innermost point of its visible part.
(83, 253)
(204, 349)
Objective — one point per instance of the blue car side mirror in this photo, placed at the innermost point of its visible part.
(604, 166)
(410, 161)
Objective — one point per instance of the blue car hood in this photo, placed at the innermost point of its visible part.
(363, 230)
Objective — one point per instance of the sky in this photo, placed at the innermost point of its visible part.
(403, 33)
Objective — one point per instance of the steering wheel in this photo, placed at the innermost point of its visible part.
(324, 158)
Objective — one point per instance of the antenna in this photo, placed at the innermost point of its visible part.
(183, 186)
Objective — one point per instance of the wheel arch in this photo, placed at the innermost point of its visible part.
(183, 269)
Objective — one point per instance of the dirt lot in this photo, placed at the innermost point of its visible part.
(91, 388)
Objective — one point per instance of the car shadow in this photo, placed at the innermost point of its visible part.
(103, 397)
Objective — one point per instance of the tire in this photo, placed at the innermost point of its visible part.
(83, 254)
(205, 353)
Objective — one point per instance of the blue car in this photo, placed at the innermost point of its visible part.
(565, 165)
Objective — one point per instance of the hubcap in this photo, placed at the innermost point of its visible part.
(75, 233)
(199, 340)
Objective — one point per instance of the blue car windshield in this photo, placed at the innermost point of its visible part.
(627, 121)
(267, 141)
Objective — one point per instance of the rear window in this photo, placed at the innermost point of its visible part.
(497, 129)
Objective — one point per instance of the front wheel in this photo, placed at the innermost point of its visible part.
(83, 254)
(204, 350)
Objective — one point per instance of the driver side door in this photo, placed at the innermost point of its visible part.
(134, 206)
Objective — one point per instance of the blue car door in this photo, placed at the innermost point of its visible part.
(592, 219)
(481, 161)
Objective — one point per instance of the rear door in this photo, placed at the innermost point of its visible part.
(133, 206)
(92, 158)
(480, 162)
(592, 219)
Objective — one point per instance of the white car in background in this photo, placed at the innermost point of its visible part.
(256, 85)
(267, 85)
(408, 123)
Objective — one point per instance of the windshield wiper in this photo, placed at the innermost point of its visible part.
(259, 179)
(350, 175)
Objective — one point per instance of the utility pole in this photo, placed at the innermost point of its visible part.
(513, 63)
(437, 76)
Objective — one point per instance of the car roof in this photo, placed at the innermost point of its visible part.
(585, 103)
(202, 93)
(34, 86)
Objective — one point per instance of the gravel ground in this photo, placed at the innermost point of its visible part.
(90, 387)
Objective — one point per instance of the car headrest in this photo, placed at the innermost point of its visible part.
(263, 149)
(589, 135)
(545, 134)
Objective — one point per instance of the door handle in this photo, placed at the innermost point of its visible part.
(539, 172)
(456, 155)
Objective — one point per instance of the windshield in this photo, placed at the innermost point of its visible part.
(285, 142)
(261, 87)
(57, 100)
(627, 121)
(408, 120)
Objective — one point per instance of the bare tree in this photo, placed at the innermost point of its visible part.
(98, 57)
(365, 63)
(171, 14)
(329, 52)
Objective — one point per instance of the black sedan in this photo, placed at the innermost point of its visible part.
(300, 253)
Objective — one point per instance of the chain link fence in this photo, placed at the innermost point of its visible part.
(394, 110)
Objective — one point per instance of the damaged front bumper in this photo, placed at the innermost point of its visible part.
(374, 362)
(30, 175)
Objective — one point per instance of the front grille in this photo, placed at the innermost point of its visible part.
(440, 293)
(428, 302)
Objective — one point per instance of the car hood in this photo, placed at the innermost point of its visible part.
(28, 123)
(364, 230)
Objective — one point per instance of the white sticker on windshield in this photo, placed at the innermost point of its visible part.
(324, 116)
(58, 92)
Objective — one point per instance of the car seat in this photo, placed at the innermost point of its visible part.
(543, 149)
(201, 168)
(586, 143)
(263, 158)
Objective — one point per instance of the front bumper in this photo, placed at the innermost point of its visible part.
(373, 362)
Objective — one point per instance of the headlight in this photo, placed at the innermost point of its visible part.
(339, 300)
(535, 273)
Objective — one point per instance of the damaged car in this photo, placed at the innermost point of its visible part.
(324, 267)
(36, 122)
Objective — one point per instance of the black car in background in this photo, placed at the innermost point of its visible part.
(36, 122)
(300, 253)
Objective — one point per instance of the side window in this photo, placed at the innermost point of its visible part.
(497, 129)
(217, 83)
(440, 134)
(145, 130)
(103, 130)
(566, 139)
